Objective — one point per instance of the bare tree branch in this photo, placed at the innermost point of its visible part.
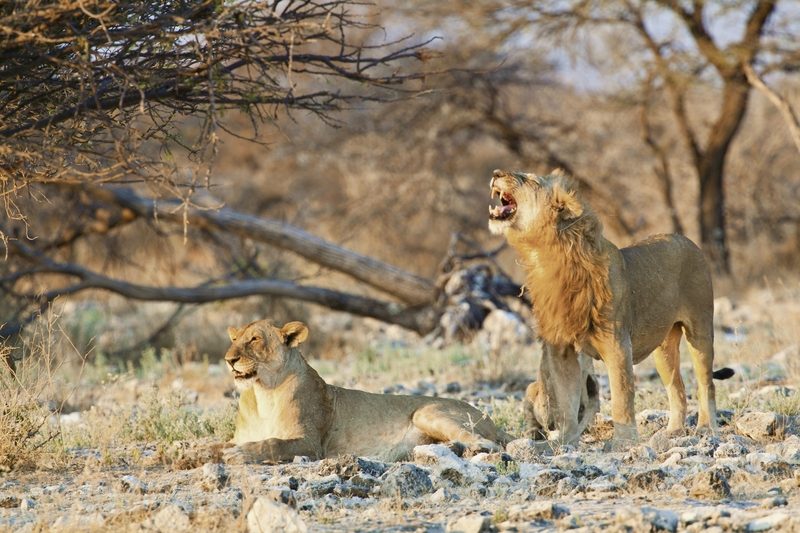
(419, 319)
(790, 116)
(389, 279)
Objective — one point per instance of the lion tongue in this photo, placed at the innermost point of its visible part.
(501, 210)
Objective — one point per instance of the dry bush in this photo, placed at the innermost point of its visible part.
(29, 396)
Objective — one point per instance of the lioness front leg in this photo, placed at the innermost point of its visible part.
(271, 451)
(616, 354)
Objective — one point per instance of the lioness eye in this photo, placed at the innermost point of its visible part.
(255, 338)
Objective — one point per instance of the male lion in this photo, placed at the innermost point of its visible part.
(611, 304)
(286, 409)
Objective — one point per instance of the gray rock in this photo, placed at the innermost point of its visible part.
(213, 476)
(761, 426)
(405, 481)
(711, 484)
(324, 486)
(347, 466)
(660, 519)
(647, 480)
(774, 501)
(266, 516)
(471, 523)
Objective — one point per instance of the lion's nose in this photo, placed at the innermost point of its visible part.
(231, 360)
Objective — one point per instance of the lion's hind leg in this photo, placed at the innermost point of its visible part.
(701, 348)
(447, 422)
(668, 364)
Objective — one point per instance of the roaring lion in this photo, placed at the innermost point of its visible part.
(286, 409)
(617, 305)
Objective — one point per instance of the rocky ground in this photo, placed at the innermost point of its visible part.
(746, 478)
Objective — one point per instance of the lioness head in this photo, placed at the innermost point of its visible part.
(260, 351)
(543, 417)
(524, 199)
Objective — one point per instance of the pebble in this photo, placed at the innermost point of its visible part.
(711, 484)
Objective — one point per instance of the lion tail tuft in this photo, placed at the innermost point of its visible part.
(723, 373)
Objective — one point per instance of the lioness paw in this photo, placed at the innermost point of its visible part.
(249, 452)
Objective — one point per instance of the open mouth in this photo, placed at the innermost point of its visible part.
(506, 206)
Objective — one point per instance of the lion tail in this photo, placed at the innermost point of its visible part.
(723, 373)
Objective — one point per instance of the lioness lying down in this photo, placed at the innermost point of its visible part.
(617, 305)
(286, 409)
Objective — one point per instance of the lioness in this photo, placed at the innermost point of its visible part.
(546, 412)
(611, 304)
(286, 409)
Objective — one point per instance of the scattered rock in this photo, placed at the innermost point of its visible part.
(660, 519)
(169, 519)
(471, 523)
(640, 453)
(774, 501)
(541, 510)
(282, 495)
(132, 484)
(588, 472)
(324, 486)
(760, 425)
(266, 516)
(213, 476)
(651, 420)
(711, 484)
(26, 504)
(567, 461)
(405, 480)
(79, 522)
(647, 519)
(768, 522)
(347, 466)
(648, 480)
(732, 448)
(524, 450)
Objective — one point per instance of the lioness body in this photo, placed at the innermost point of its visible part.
(286, 409)
(615, 305)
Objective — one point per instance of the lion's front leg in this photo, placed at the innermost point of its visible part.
(271, 451)
(617, 354)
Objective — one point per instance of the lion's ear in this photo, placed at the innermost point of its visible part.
(233, 333)
(294, 333)
(566, 203)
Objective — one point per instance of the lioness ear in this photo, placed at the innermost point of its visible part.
(566, 203)
(233, 333)
(294, 333)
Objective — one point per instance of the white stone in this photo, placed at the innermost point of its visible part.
(266, 516)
